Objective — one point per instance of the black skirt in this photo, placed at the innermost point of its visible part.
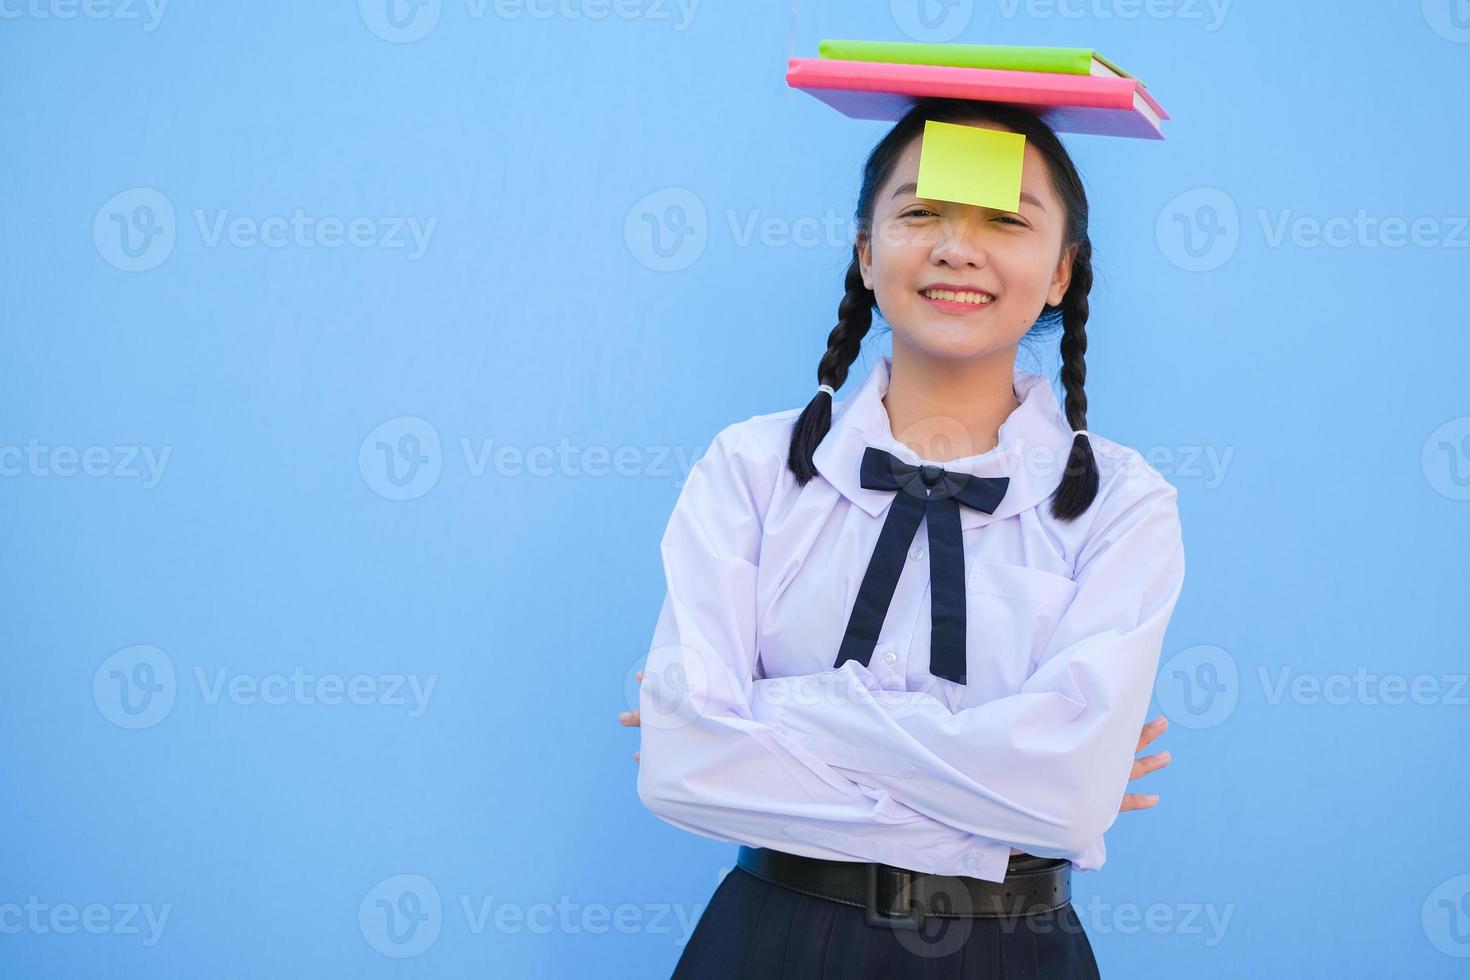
(755, 930)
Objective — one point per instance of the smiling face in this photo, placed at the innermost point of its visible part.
(1002, 267)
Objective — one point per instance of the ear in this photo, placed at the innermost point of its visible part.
(1062, 278)
(865, 256)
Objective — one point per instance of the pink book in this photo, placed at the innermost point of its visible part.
(1089, 104)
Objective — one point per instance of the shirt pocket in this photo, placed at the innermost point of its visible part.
(1011, 612)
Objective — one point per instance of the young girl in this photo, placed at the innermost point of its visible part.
(909, 639)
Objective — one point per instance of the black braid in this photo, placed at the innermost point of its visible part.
(854, 318)
(1079, 483)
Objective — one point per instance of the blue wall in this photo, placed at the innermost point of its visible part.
(352, 361)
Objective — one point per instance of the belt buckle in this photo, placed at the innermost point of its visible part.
(903, 881)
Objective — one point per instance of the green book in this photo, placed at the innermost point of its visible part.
(1009, 57)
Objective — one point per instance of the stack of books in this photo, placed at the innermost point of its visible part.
(1074, 90)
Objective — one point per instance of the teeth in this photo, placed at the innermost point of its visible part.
(979, 299)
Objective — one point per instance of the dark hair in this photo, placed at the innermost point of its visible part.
(1079, 482)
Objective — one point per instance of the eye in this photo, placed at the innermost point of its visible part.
(916, 212)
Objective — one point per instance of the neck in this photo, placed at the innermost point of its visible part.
(945, 409)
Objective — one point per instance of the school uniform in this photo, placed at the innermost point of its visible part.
(906, 664)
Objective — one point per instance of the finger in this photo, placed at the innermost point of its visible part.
(635, 757)
(1150, 763)
(640, 677)
(1137, 801)
(1151, 731)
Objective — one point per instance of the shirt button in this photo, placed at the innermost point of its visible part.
(916, 552)
(973, 860)
(890, 658)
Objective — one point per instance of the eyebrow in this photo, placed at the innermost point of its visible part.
(913, 188)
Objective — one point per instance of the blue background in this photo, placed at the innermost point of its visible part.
(332, 502)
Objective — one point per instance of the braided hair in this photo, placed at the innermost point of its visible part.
(1079, 484)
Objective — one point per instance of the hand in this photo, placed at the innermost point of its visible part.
(1131, 801)
(1151, 731)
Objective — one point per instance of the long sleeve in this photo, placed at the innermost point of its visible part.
(708, 766)
(1046, 768)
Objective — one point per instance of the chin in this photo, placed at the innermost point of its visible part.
(954, 339)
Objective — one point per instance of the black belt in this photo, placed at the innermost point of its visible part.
(901, 899)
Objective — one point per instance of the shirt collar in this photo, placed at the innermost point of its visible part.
(1034, 442)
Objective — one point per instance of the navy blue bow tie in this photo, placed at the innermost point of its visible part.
(934, 492)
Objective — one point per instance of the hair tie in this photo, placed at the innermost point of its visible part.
(827, 389)
(1080, 432)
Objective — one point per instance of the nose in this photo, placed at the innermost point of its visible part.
(959, 244)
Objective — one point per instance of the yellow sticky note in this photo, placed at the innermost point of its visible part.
(971, 165)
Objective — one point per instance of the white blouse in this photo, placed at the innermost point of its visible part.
(750, 735)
